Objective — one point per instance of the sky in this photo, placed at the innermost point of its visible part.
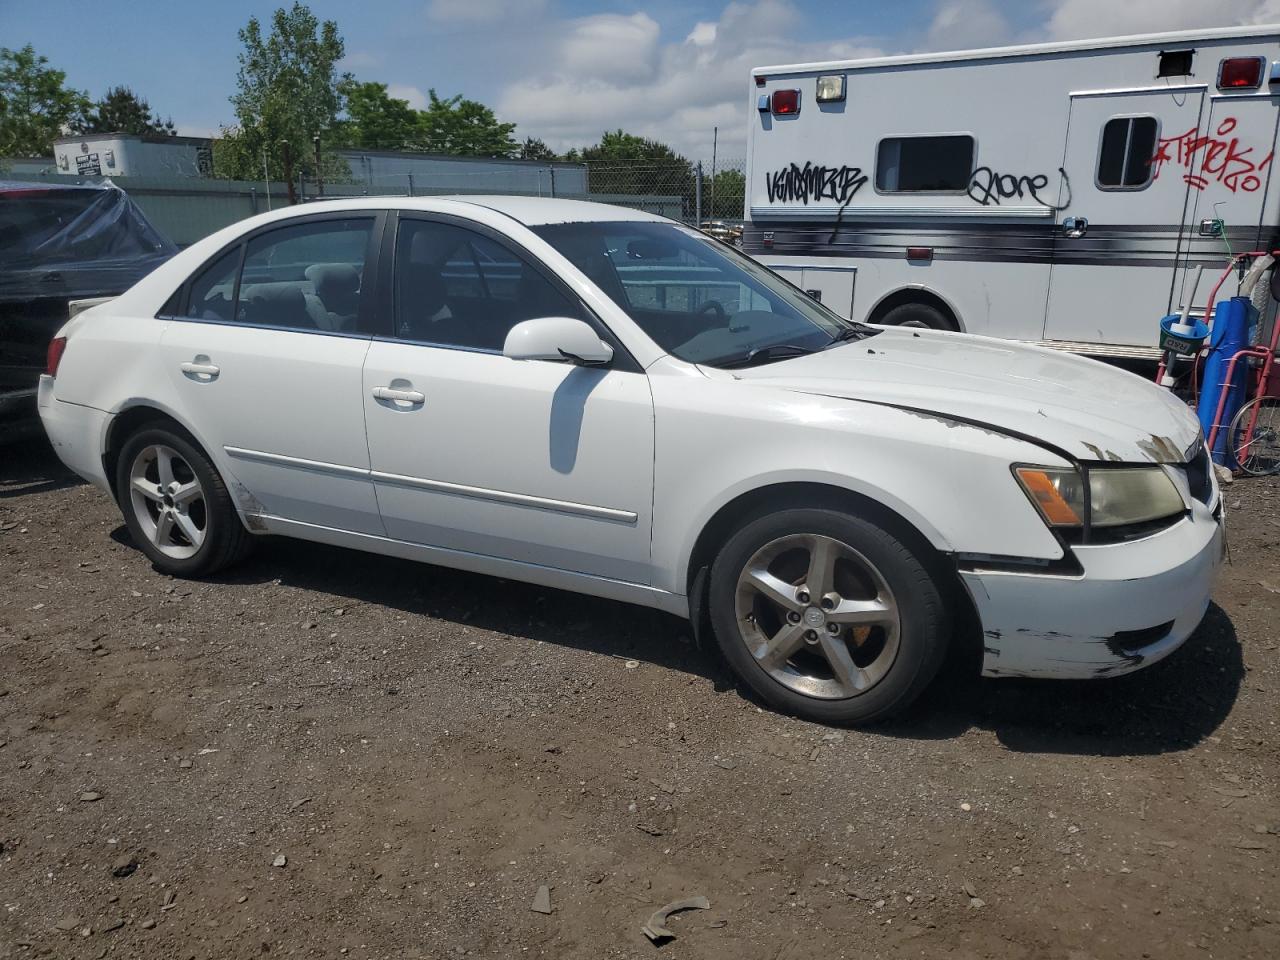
(565, 70)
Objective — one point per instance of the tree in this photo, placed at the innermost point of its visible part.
(376, 120)
(288, 93)
(624, 163)
(123, 111)
(36, 106)
(465, 128)
(535, 149)
(725, 195)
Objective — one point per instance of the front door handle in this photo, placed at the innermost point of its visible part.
(404, 396)
(200, 369)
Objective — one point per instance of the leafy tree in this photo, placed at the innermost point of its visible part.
(465, 128)
(289, 92)
(36, 106)
(123, 111)
(725, 196)
(376, 120)
(535, 149)
(624, 163)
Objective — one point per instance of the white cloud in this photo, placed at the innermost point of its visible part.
(403, 91)
(963, 24)
(612, 71)
(611, 47)
(360, 60)
(483, 11)
(1077, 19)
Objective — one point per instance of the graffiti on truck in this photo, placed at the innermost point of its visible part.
(1222, 159)
(812, 182)
(988, 187)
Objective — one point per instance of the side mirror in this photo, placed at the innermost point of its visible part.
(557, 338)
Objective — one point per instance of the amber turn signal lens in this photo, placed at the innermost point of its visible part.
(1040, 485)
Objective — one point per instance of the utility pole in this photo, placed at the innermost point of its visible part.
(319, 176)
(266, 177)
(715, 136)
(697, 195)
(288, 172)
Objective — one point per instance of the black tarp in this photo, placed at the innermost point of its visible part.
(68, 241)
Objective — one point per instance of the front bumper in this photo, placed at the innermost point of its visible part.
(1134, 604)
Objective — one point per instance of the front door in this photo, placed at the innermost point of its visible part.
(1123, 218)
(266, 365)
(534, 461)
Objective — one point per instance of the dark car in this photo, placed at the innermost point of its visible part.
(58, 243)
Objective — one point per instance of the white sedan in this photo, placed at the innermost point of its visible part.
(607, 402)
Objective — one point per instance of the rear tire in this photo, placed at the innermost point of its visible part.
(176, 506)
(917, 315)
(827, 616)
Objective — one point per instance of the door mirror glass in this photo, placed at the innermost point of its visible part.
(556, 338)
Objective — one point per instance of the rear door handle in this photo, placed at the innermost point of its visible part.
(200, 369)
(405, 396)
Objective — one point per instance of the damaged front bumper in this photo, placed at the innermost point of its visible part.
(1134, 604)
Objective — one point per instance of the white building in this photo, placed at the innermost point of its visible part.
(133, 155)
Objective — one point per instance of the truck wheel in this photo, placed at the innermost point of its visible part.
(916, 315)
(827, 616)
(175, 505)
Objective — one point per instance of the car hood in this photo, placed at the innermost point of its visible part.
(1082, 407)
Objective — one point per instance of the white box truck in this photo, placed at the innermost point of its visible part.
(1059, 193)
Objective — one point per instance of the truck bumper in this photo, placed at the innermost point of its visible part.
(76, 433)
(1134, 605)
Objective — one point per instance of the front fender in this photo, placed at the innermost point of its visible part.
(949, 480)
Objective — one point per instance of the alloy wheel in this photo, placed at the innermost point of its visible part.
(817, 616)
(168, 501)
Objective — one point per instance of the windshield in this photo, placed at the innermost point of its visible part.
(695, 297)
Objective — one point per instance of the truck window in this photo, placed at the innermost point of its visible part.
(937, 164)
(1124, 158)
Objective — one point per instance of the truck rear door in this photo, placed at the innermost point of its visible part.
(1125, 215)
(1230, 182)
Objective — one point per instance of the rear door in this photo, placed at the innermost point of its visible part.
(266, 362)
(1236, 147)
(1113, 276)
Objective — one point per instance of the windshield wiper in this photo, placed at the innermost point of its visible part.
(851, 333)
(776, 351)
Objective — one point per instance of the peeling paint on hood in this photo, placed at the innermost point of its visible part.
(1084, 407)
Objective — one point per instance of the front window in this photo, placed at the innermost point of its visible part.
(696, 298)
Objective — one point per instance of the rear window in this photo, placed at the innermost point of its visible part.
(1124, 157)
(931, 164)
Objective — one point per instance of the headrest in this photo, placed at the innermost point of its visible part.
(333, 279)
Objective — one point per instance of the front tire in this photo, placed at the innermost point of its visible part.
(827, 616)
(919, 315)
(175, 504)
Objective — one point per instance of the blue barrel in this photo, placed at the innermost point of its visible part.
(1231, 321)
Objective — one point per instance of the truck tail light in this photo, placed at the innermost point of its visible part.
(1240, 73)
(786, 102)
(57, 346)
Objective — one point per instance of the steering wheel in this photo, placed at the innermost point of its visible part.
(716, 307)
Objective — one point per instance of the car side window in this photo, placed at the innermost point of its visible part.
(213, 291)
(457, 287)
(309, 276)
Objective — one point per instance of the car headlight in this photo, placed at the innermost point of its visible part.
(1117, 496)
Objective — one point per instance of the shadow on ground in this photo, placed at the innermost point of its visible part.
(31, 466)
(1170, 706)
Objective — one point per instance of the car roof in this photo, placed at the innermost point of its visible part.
(530, 211)
(535, 211)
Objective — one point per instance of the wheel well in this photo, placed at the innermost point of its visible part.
(755, 503)
(901, 298)
(126, 425)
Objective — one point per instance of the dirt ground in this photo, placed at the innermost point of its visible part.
(328, 754)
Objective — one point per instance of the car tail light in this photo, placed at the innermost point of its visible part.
(786, 102)
(57, 346)
(1240, 73)
(830, 88)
